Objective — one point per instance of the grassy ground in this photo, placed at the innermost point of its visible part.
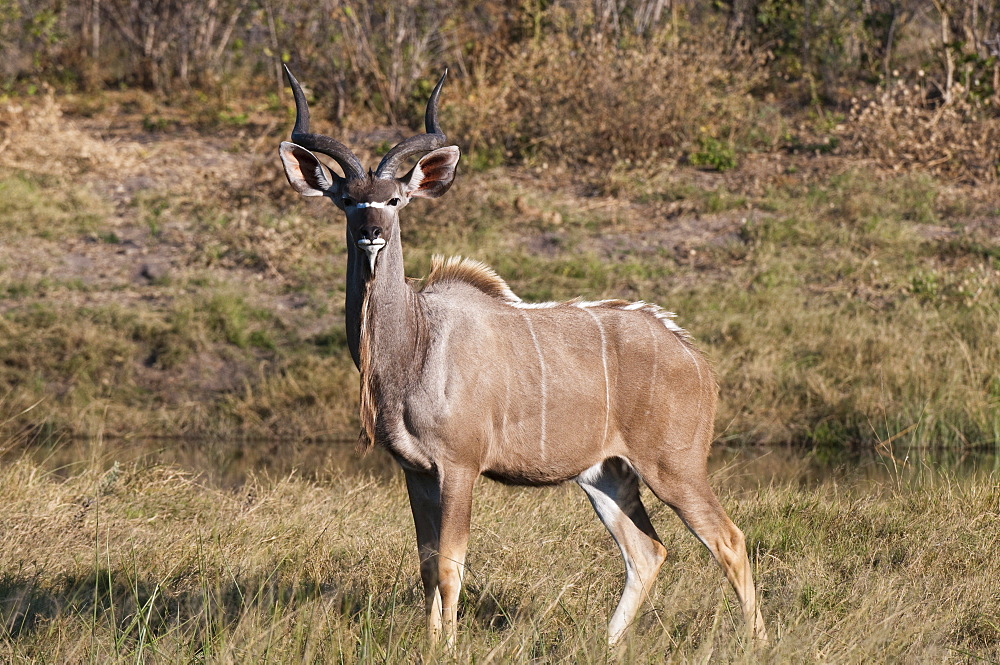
(166, 281)
(147, 563)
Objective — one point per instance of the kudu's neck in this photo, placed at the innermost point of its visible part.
(383, 315)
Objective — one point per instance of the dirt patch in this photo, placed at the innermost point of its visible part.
(682, 237)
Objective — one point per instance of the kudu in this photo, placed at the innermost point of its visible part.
(460, 378)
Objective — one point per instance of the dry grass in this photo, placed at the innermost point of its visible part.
(126, 563)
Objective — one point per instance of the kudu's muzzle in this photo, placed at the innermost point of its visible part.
(370, 241)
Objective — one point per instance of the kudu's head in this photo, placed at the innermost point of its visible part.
(372, 200)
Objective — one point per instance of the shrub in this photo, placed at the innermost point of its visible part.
(561, 101)
(713, 153)
(902, 128)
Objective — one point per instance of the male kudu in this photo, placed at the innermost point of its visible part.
(460, 378)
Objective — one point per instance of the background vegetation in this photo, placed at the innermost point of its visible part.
(810, 184)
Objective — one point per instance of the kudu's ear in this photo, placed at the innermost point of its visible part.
(433, 174)
(305, 173)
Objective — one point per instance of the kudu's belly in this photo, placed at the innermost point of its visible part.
(552, 439)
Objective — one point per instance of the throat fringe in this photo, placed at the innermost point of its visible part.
(369, 407)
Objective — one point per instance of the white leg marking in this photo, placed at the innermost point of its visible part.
(616, 500)
(607, 383)
(592, 474)
(541, 366)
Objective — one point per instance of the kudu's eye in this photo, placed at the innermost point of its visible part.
(394, 202)
(347, 201)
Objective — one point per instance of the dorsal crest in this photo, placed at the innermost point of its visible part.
(469, 271)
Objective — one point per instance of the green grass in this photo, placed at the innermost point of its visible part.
(32, 206)
(145, 563)
(205, 364)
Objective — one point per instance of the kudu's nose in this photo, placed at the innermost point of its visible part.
(370, 242)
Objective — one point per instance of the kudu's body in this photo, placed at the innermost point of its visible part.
(461, 379)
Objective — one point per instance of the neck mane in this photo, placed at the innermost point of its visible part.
(471, 272)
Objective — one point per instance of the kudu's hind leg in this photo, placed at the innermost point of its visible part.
(613, 490)
(693, 500)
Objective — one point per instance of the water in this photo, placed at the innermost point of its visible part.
(226, 464)
(230, 464)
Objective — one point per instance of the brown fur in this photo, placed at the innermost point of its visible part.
(371, 189)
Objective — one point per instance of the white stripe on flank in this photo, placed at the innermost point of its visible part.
(652, 374)
(696, 365)
(700, 389)
(541, 366)
(607, 383)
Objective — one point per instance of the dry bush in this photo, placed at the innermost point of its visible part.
(161, 41)
(560, 100)
(900, 128)
(34, 137)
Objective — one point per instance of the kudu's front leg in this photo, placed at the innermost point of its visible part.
(425, 504)
(456, 516)
(442, 512)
